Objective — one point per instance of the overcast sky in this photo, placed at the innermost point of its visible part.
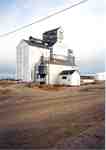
(84, 29)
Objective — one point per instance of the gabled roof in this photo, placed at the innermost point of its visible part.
(36, 44)
(53, 30)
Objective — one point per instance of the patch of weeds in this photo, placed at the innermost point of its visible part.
(5, 91)
(86, 89)
(29, 85)
(72, 130)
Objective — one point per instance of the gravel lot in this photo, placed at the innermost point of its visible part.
(46, 117)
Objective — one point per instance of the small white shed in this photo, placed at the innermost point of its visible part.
(69, 77)
(100, 76)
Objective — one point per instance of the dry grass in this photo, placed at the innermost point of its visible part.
(51, 87)
(44, 116)
(45, 87)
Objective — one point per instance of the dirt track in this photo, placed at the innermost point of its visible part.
(61, 118)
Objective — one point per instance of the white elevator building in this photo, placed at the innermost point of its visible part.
(38, 61)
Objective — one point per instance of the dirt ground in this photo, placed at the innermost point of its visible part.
(47, 117)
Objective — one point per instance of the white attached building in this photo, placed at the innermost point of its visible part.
(69, 77)
(37, 60)
(28, 55)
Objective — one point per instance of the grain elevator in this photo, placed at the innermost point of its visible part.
(39, 62)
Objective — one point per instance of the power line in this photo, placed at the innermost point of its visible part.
(42, 19)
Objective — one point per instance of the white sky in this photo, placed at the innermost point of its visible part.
(84, 29)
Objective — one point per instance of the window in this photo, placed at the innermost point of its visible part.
(64, 77)
(61, 35)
